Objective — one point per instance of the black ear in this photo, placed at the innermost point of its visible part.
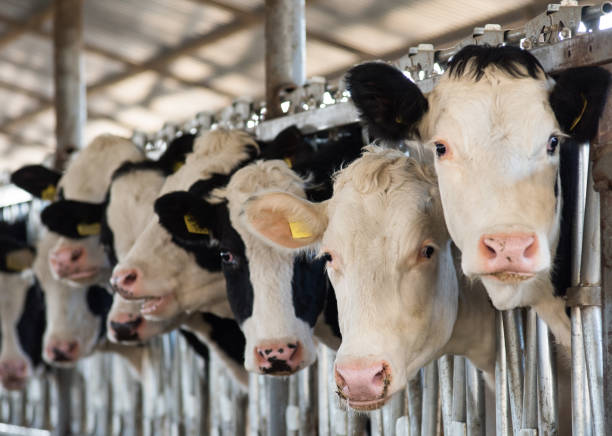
(185, 216)
(73, 219)
(286, 144)
(38, 180)
(176, 153)
(389, 103)
(578, 100)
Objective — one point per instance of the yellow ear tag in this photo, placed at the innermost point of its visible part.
(299, 230)
(88, 229)
(48, 193)
(288, 161)
(193, 226)
(14, 263)
(177, 166)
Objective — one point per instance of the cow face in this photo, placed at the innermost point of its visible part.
(495, 123)
(22, 317)
(170, 279)
(388, 258)
(75, 316)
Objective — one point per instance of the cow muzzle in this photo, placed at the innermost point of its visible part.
(509, 257)
(363, 385)
(14, 374)
(279, 358)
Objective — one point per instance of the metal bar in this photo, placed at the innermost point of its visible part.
(278, 392)
(391, 412)
(308, 400)
(513, 344)
(475, 402)
(547, 387)
(414, 404)
(33, 22)
(530, 405)
(502, 424)
(322, 394)
(254, 425)
(285, 34)
(445, 375)
(459, 412)
(430, 400)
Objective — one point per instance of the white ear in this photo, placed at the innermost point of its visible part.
(286, 220)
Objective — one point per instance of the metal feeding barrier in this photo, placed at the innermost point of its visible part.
(179, 393)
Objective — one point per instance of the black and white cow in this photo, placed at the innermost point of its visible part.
(495, 122)
(276, 296)
(22, 310)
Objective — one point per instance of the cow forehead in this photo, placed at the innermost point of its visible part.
(487, 114)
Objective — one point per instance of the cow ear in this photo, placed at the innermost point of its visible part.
(185, 216)
(286, 220)
(38, 180)
(73, 219)
(578, 99)
(285, 145)
(390, 104)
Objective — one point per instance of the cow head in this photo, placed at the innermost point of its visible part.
(388, 257)
(22, 316)
(75, 316)
(495, 122)
(275, 295)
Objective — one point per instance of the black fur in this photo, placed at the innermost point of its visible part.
(64, 216)
(107, 237)
(573, 87)
(35, 178)
(16, 230)
(288, 143)
(389, 103)
(32, 324)
(512, 60)
(227, 335)
(330, 313)
(309, 285)
(99, 300)
(199, 347)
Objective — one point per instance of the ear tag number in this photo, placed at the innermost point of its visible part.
(193, 226)
(299, 230)
(88, 229)
(48, 193)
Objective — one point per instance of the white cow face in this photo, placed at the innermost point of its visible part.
(79, 262)
(21, 317)
(75, 316)
(495, 123)
(388, 258)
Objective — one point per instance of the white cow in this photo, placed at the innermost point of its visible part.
(495, 122)
(389, 258)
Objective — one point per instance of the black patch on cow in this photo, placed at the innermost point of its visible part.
(65, 216)
(7, 246)
(390, 104)
(330, 313)
(288, 143)
(309, 287)
(276, 366)
(227, 335)
(198, 346)
(127, 331)
(237, 274)
(473, 60)
(16, 230)
(32, 324)
(107, 237)
(578, 100)
(99, 300)
(35, 179)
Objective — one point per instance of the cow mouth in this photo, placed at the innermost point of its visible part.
(155, 305)
(13, 383)
(366, 406)
(81, 274)
(511, 276)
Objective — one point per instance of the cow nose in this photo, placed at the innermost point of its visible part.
(508, 252)
(126, 331)
(127, 282)
(362, 384)
(280, 358)
(66, 260)
(62, 351)
(14, 373)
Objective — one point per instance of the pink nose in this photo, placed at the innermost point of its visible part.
(508, 252)
(62, 351)
(279, 358)
(68, 260)
(13, 373)
(127, 282)
(362, 384)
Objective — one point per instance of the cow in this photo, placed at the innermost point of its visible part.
(388, 254)
(22, 310)
(276, 297)
(78, 258)
(495, 123)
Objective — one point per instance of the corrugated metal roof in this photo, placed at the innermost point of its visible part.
(196, 74)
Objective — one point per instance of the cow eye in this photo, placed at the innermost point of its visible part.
(553, 142)
(440, 149)
(228, 258)
(427, 251)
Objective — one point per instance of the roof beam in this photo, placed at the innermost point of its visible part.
(20, 28)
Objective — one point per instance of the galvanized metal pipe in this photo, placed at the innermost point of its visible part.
(445, 375)
(285, 34)
(322, 393)
(530, 405)
(414, 406)
(475, 402)
(512, 339)
(391, 412)
(547, 387)
(307, 391)
(502, 424)
(430, 400)
(278, 393)
(254, 424)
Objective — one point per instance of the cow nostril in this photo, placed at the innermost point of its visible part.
(130, 279)
(379, 377)
(76, 254)
(490, 251)
(531, 250)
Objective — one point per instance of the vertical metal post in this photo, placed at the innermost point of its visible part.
(512, 339)
(391, 412)
(502, 425)
(475, 403)
(70, 106)
(459, 412)
(278, 396)
(530, 405)
(322, 394)
(430, 400)
(445, 374)
(547, 387)
(254, 426)
(414, 400)
(285, 33)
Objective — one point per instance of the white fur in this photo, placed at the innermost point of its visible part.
(499, 178)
